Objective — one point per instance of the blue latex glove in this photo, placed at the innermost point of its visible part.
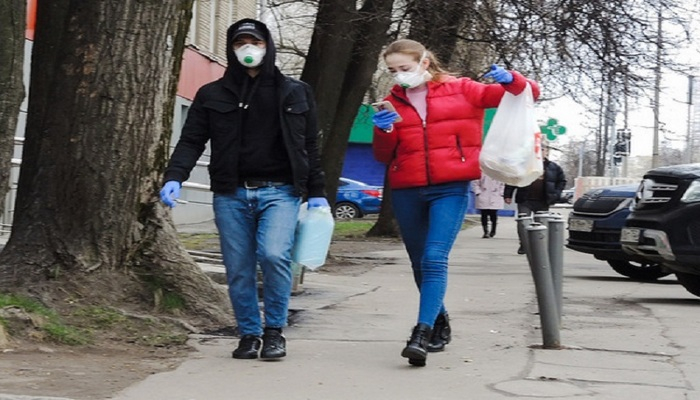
(384, 119)
(499, 74)
(318, 202)
(170, 192)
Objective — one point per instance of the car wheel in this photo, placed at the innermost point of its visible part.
(690, 282)
(346, 211)
(640, 271)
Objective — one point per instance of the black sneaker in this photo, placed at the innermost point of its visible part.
(248, 347)
(521, 250)
(274, 344)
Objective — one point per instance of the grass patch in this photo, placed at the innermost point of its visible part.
(199, 241)
(46, 320)
(351, 229)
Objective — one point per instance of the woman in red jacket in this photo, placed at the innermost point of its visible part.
(432, 153)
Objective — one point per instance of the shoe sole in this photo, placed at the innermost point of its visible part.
(416, 362)
(414, 355)
(245, 357)
(272, 358)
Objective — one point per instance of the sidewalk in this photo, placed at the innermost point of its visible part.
(346, 337)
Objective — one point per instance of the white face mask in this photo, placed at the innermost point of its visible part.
(250, 55)
(411, 79)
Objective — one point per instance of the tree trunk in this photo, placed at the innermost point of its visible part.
(386, 225)
(435, 23)
(342, 58)
(103, 86)
(12, 25)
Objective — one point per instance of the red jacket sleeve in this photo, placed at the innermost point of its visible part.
(484, 95)
(384, 145)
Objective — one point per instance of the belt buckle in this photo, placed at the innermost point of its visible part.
(247, 186)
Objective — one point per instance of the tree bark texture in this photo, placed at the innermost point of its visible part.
(436, 23)
(103, 86)
(342, 58)
(12, 25)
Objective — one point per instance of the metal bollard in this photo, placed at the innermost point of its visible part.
(542, 217)
(542, 275)
(524, 220)
(555, 230)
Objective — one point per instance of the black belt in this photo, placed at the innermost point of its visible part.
(250, 184)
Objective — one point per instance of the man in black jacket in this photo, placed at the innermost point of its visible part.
(540, 194)
(263, 133)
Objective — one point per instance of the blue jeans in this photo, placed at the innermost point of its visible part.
(256, 226)
(430, 217)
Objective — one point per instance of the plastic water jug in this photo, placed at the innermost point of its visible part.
(313, 236)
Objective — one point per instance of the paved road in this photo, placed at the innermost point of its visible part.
(623, 339)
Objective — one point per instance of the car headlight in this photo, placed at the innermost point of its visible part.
(692, 194)
(626, 203)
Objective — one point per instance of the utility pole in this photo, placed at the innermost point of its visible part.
(689, 133)
(628, 136)
(657, 89)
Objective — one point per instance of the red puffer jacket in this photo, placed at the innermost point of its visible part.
(446, 147)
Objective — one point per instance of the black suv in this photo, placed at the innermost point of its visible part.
(594, 228)
(664, 225)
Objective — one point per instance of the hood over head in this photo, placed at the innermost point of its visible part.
(255, 28)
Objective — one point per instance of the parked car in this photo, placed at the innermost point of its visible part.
(595, 224)
(356, 199)
(664, 225)
(567, 196)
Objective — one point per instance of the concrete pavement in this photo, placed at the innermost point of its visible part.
(349, 331)
(622, 339)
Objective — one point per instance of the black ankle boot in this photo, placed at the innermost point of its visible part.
(486, 232)
(442, 334)
(416, 349)
(493, 230)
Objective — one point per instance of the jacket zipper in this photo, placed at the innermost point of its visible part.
(425, 132)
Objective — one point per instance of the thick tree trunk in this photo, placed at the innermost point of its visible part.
(370, 26)
(101, 103)
(342, 58)
(328, 58)
(12, 25)
(436, 23)
(386, 225)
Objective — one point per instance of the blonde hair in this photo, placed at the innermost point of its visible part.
(417, 50)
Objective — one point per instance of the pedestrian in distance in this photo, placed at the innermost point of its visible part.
(541, 193)
(262, 129)
(432, 152)
(489, 199)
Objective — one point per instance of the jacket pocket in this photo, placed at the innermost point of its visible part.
(295, 117)
(222, 116)
(459, 148)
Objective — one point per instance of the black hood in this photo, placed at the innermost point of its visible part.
(235, 68)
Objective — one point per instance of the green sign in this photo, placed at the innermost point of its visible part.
(552, 130)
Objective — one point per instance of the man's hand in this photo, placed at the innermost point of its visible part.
(508, 200)
(170, 192)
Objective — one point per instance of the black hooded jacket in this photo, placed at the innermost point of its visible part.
(243, 138)
(554, 183)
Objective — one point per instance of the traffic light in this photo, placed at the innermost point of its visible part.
(622, 148)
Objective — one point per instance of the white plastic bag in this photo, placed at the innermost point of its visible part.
(512, 150)
(313, 236)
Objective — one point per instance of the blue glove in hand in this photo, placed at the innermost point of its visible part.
(499, 74)
(170, 192)
(384, 119)
(318, 202)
